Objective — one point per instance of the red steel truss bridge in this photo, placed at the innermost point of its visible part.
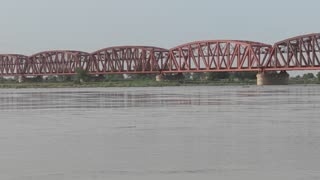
(297, 53)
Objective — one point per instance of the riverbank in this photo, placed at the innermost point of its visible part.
(136, 83)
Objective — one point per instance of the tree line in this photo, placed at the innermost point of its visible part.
(83, 76)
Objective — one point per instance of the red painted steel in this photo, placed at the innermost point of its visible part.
(57, 62)
(297, 53)
(128, 60)
(12, 64)
(217, 56)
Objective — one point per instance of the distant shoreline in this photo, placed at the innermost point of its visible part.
(136, 83)
(140, 83)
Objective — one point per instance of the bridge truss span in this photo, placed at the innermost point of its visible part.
(62, 62)
(12, 64)
(128, 60)
(297, 53)
(217, 56)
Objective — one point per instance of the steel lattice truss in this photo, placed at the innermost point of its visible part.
(56, 62)
(205, 56)
(128, 60)
(12, 64)
(298, 53)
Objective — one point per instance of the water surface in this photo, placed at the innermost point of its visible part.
(228, 133)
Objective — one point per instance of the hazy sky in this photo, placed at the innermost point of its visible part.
(30, 26)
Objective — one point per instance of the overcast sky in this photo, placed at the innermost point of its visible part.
(30, 26)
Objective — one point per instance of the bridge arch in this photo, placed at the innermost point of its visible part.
(12, 64)
(296, 53)
(128, 59)
(57, 62)
(217, 55)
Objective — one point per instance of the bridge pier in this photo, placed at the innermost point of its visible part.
(159, 77)
(272, 78)
(21, 79)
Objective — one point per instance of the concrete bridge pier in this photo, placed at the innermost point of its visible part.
(21, 79)
(272, 78)
(159, 77)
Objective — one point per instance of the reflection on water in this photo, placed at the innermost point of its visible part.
(148, 97)
(161, 133)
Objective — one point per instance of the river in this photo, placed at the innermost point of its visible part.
(227, 133)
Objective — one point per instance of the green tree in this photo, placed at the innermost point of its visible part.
(175, 77)
(245, 75)
(187, 76)
(199, 76)
(52, 78)
(142, 76)
(308, 76)
(318, 76)
(64, 78)
(218, 75)
(114, 77)
(2, 79)
(81, 75)
(37, 79)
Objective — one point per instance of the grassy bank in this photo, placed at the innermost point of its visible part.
(135, 83)
(303, 81)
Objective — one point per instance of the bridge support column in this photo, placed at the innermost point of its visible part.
(272, 78)
(159, 77)
(21, 79)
